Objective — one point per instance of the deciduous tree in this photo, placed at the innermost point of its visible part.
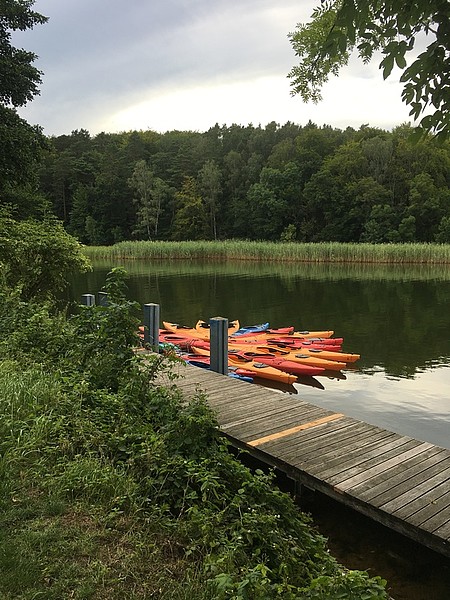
(210, 176)
(20, 142)
(391, 27)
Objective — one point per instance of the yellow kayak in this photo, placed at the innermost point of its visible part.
(202, 326)
(200, 331)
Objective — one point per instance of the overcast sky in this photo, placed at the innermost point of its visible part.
(112, 65)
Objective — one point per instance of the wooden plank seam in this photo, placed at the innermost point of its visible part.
(285, 432)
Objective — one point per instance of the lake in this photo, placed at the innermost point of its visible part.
(396, 318)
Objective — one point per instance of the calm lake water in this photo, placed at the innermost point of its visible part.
(397, 319)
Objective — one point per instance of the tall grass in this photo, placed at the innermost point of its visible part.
(324, 252)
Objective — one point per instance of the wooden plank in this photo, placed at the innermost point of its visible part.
(294, 429)
(255, 408)
(272, 411)
(393, 457)
(315, 446)
(239, 409)
(427, 505)
(358, 461)
(443, 531)
(234, 419)
(378, 463)
(403, 505)
(329, 441)
(401, 478)
(339, 451)
(435, 512)
(351, 459)
(271, 425)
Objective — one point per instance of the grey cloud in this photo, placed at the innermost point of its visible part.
(100, 57)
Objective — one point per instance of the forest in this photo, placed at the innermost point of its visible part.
(288, 182)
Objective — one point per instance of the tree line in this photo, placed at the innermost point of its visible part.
(308, 183)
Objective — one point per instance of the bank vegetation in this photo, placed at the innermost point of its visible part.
(241, 250)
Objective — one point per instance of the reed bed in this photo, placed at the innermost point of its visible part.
(324, 252)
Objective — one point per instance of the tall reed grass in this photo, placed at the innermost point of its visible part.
(324, 252)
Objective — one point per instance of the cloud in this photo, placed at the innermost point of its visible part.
(185, 64)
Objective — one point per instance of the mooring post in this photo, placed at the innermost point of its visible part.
(102, 298)
(88, 299)
(151, 325)
(218, 342)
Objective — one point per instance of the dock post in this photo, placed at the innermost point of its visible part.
(102, 298)
(88, 299)
(151, 325)
(218, 341)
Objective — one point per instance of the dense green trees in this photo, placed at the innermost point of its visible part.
(20, 143)
(36, 253)
(388, 26)
(307, 182)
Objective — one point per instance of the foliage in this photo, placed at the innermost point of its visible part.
(22, 146)
(19, 79)
(37, 257)
(210, 183)
(151, 192)
(323, 181)
(191, 221)
(340, 26)
(101, 339)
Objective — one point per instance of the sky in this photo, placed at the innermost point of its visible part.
(162, 65)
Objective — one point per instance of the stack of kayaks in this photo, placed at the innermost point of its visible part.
(258, 352)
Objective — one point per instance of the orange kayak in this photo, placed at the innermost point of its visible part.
(342, 357)
(262, 370)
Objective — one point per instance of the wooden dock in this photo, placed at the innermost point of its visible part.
(396, 480)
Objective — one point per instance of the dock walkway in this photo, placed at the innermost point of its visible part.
(396, 480)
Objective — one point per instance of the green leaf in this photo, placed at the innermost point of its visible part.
(387, 65)
(401, 61)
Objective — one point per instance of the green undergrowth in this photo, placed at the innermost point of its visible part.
(113, 486)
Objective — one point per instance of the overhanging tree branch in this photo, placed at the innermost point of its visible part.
(340, 26)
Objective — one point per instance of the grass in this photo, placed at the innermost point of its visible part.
(62, 534)
(325, 252)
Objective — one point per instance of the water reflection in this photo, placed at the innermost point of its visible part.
(397, 318)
